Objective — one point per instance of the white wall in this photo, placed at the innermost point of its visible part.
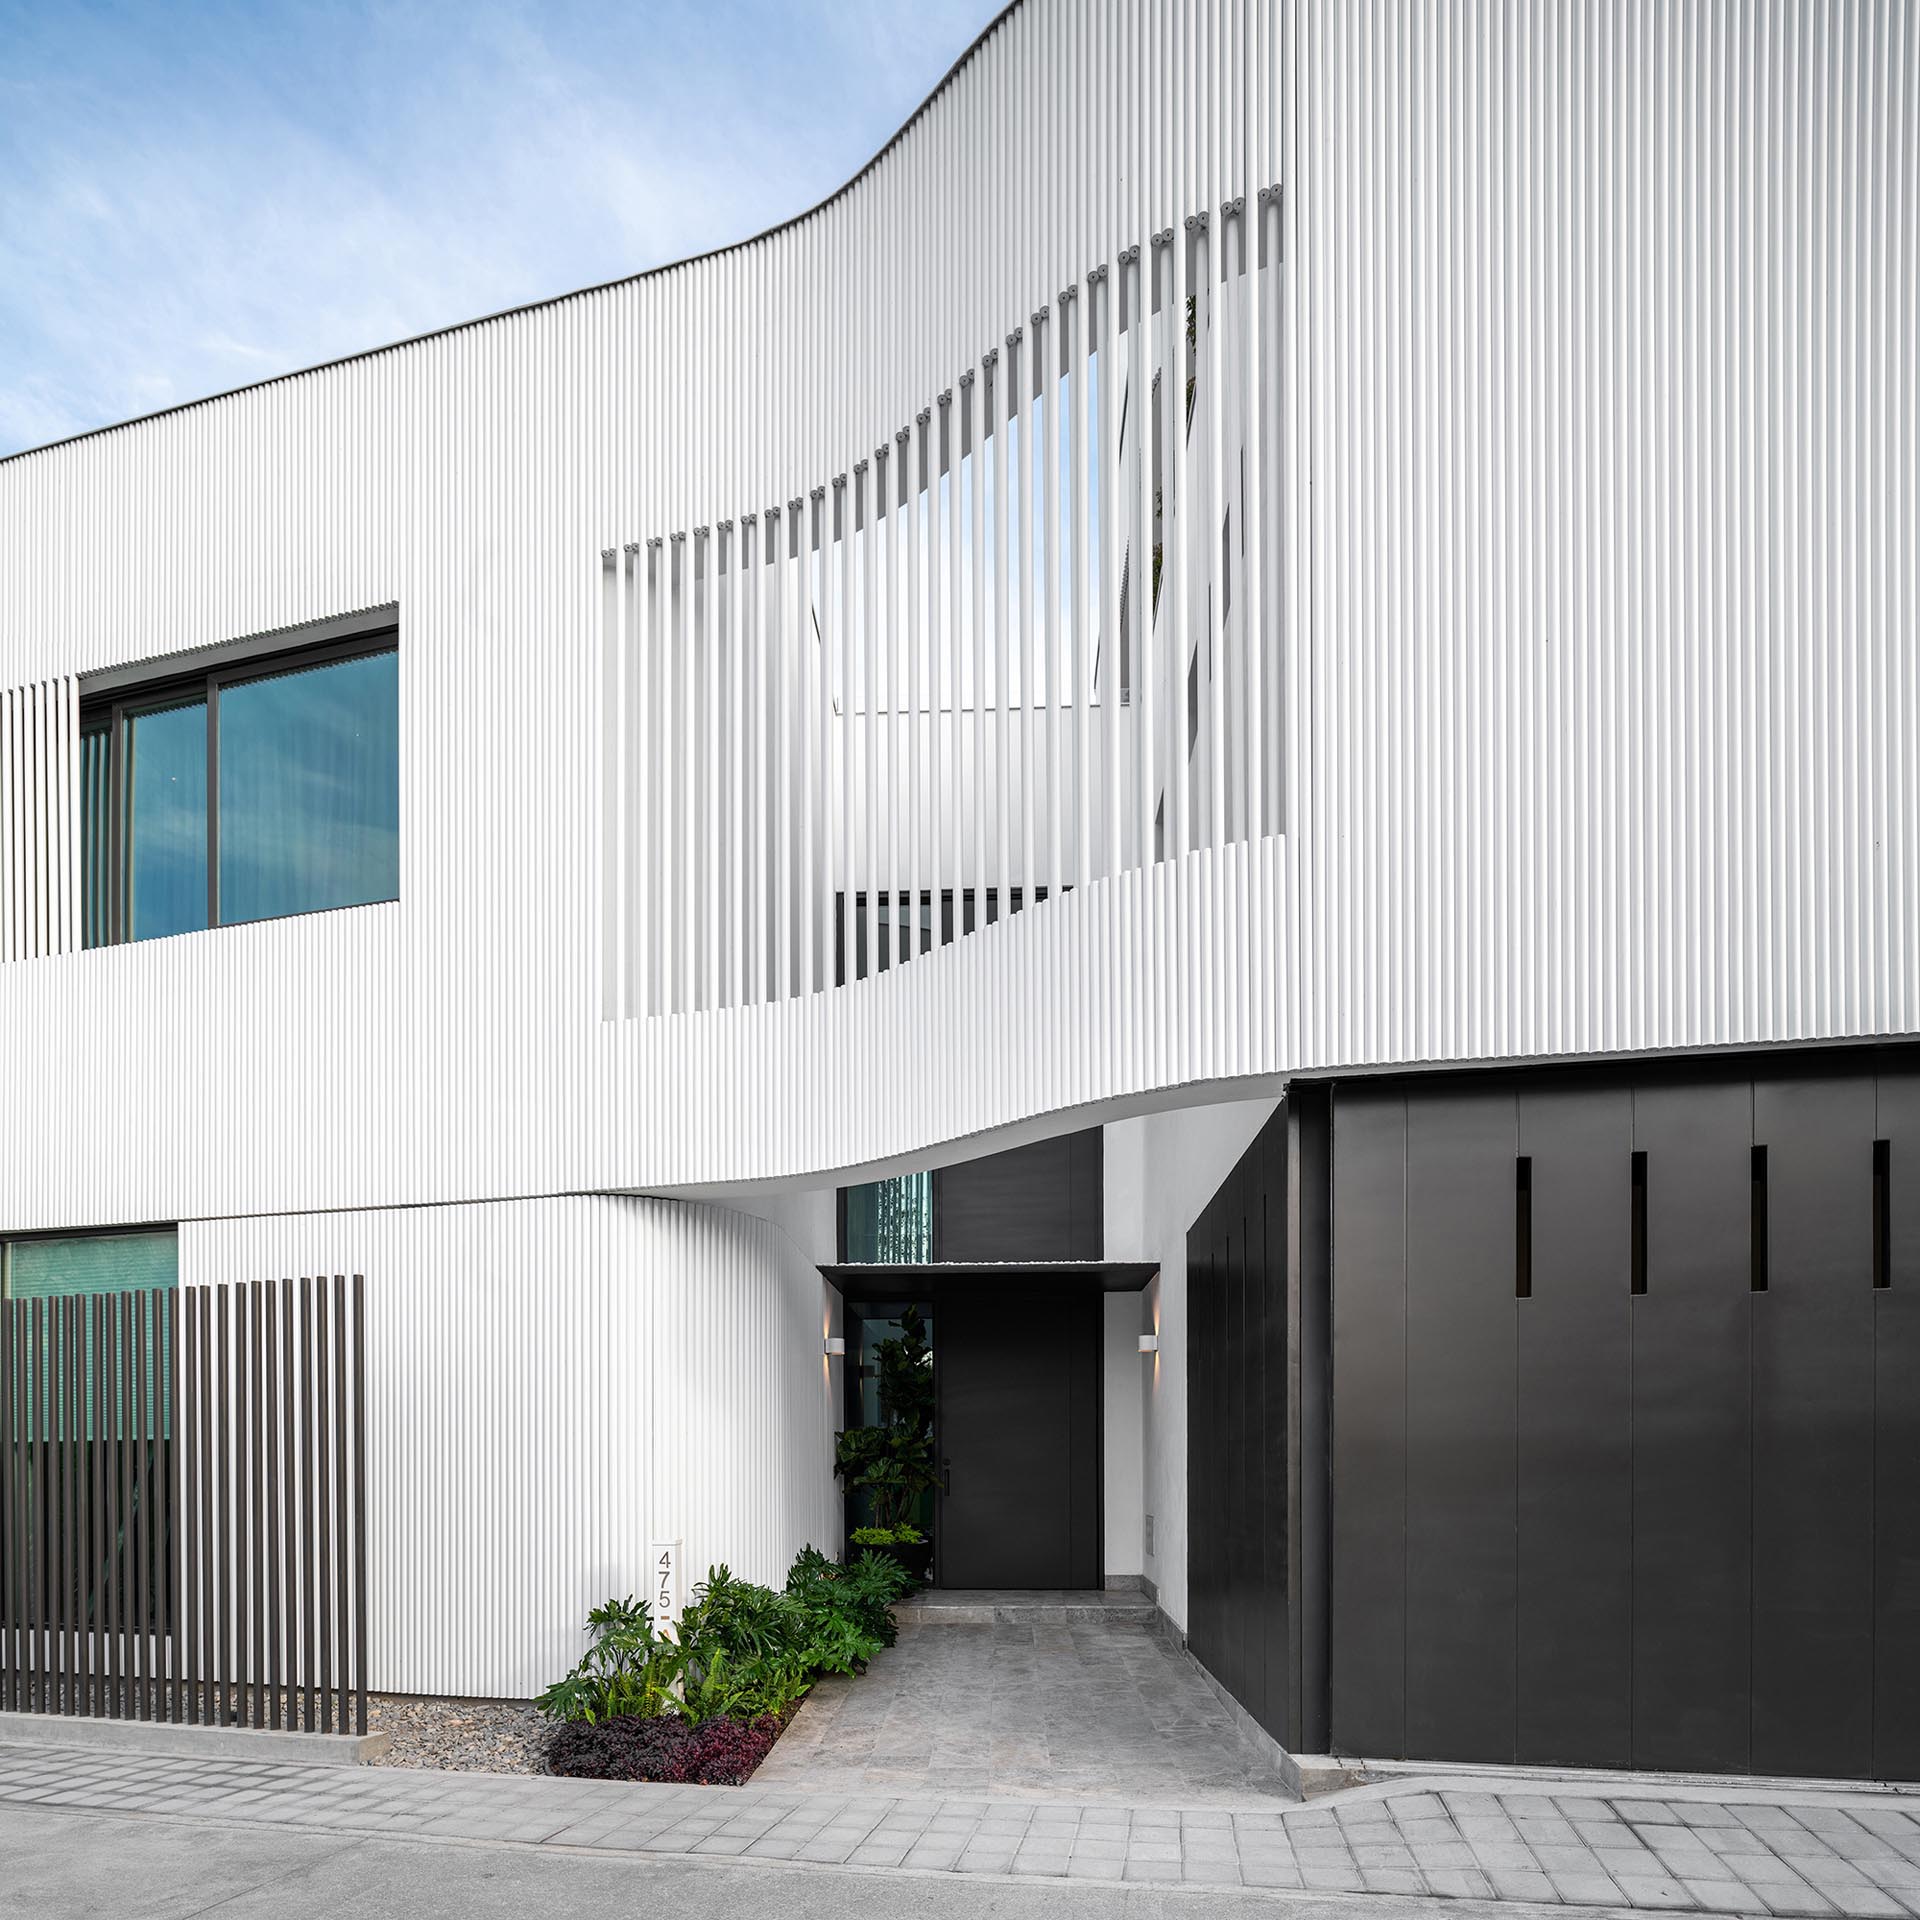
(1591, 592)
(553, 1384)
(1189, 1153)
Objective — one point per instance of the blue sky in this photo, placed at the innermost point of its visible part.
(194, 195)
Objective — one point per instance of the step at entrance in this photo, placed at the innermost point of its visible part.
(985, 1606)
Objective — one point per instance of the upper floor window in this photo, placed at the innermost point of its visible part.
(245, 792)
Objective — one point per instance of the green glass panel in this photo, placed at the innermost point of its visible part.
(92, 1263)
(99, 1263)
(166, 823)
(310, 789)
(890, 1222)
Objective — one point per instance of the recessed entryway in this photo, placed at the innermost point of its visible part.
(1010, 1482)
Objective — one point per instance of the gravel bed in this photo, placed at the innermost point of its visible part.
(463, 1736)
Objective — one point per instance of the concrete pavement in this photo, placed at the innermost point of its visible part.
(1625, 1846)
(63, 1866)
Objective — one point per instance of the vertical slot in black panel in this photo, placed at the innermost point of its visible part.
(1882, 1195)
(1813, 1388)
(1575, 1411)
(1896, 1479)
(1692, 1544)
(1369, 1519)
(1460, 1425)
(1523, 1227)
(1757, 1220)
(1637, 1221)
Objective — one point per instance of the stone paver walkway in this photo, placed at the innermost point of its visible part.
(1755, 1852)
(1072, 1706)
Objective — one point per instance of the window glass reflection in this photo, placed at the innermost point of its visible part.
(310, 789)
(166, 820)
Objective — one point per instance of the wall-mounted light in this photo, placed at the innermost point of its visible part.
(836, 1346)
(1149, 1343)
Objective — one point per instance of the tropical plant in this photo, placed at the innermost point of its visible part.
(627, 1669)
(900, 1536)
(891, 1462)
(742, 1659)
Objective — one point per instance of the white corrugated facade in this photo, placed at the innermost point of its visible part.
(1563, 700)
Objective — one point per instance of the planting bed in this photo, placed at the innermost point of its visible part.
(714, 1753)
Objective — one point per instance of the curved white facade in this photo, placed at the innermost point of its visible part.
(1559, 695)
(1593, 447)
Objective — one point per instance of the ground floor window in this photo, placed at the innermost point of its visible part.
(40, 1266)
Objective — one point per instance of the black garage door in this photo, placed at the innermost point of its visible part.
(1626, 1419)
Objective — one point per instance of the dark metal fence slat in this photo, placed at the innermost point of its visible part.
(256, 1401)
(134, 1592)
(8, 1664)
(342, 1547)
(324, 1596)
(307, 1561)
(96, 1486)
(127, 1598)
(270, 1347)
(190, 1501)
(360, 1502)
(223, 1586)
(166, 1541)
(209, 1514)
(146, 1312)
(289, 1465)
(73, 1480)
(239, 1392)
(176, 1563)
(73, 1495)
(57, 1503)
(42, 1585)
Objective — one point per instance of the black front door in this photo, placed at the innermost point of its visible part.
(1017, 1379)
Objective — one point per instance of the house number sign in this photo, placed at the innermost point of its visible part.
(665, 1597)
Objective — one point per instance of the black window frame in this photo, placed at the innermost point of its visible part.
(108, 714)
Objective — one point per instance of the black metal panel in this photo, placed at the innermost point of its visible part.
(1461, 1476)
(1236, 1406)
(1268, 1649)
(1692, 1543)
(1203, 1578)
(1896, 1480)
(1017, 1382)
(1238, 1479)
(1039, 1202)
(1575, 1410)
(1369, 1519)
(1813, 1422)
(1301, 1556)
